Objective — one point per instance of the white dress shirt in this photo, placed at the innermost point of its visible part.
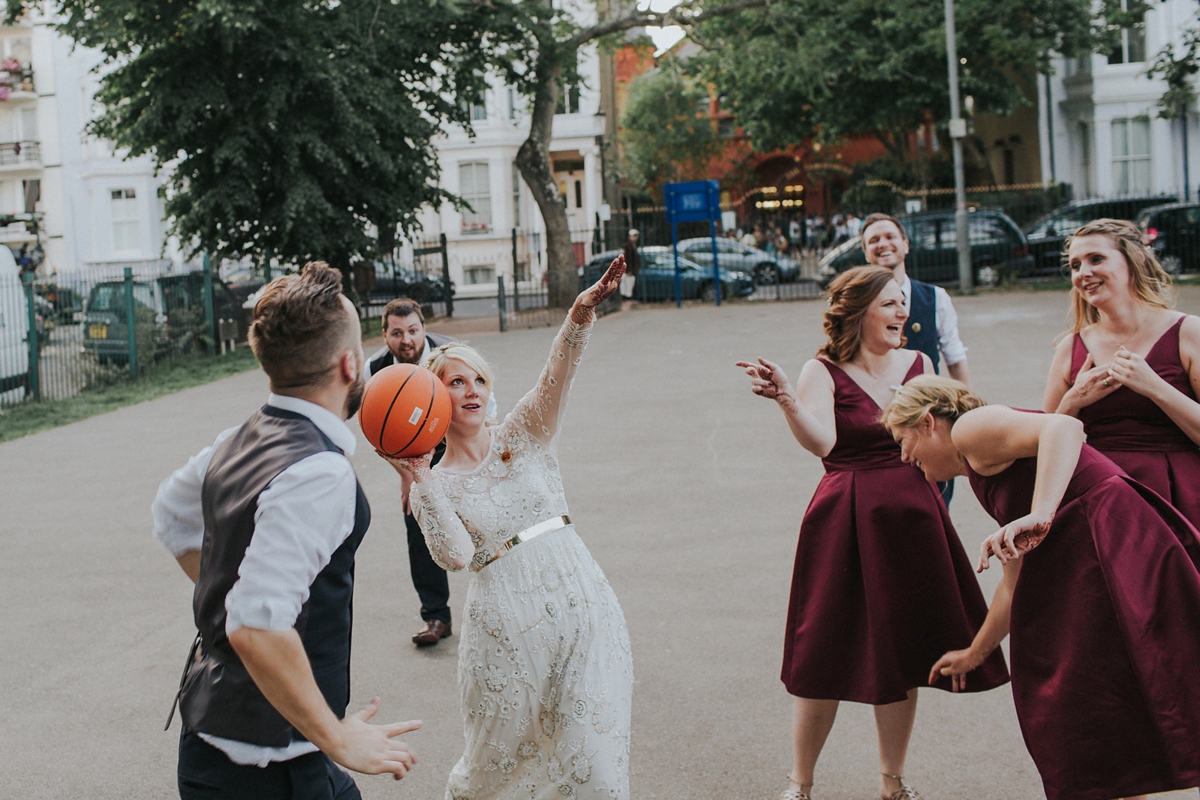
(303, 515)
(952, 348)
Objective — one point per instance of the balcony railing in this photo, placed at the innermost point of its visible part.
(20, 153)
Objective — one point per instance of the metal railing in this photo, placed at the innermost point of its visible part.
(88, 330)
(20, 153)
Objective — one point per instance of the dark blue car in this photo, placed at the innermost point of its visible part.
(656, 278)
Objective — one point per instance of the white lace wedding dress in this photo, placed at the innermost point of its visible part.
(544, 670)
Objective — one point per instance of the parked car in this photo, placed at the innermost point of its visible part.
(170, 307)
(656, 278)
(14, 330)
(398, 280)
(767, 268)
(997, 247)
(245, 281)
(1173, 231)
(1047, 236)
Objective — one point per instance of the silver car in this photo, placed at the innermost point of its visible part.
(767, 268)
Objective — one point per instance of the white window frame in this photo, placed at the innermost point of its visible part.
(126, 221)
(1132, 172)
(474, 186)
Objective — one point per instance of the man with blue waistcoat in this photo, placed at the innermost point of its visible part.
(932, 325)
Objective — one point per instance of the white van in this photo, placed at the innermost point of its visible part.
(14, 331)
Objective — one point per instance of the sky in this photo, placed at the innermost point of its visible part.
(663, 37)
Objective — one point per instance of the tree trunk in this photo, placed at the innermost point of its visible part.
(533, 160)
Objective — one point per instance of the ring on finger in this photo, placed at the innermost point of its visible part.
(1105, 382)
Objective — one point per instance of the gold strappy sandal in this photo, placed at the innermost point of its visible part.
(905, 792)
(797, 790)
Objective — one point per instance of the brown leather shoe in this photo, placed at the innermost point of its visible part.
(434, 631)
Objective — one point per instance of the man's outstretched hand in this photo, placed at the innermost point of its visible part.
(374, 749)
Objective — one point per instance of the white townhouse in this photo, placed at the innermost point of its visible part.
(482, 170)
(1099, 124)
(94, 209)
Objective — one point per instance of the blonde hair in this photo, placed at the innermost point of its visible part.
(925, 395)
(441, 357)
(850, 295)
(1149, 282)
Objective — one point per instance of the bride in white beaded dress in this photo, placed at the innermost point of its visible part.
(545, 673)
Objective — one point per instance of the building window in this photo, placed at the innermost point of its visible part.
(1131, 48)
(516, 178)
(476, 109)
(125, 220)
(512, 103)
(474, 187)
(579, 194)
(1131, 155)
(33, 194)
(568, 100)
(479, 273)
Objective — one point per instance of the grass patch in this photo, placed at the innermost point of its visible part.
(30, 417)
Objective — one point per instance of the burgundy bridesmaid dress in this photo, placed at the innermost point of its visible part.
(882, 587)
(1138, 435)
(1105, 634)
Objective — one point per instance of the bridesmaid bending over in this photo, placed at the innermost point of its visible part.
(1138, 407)
(881, 586)
(1104, 613)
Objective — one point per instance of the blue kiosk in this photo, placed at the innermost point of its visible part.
(694, 201)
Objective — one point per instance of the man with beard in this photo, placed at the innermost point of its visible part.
(407, 342)
(266, 521)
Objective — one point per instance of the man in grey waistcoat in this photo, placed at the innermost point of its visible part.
(266, 521)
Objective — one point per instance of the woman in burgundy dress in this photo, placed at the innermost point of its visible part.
(1138, 407)
(882, 586)
(1105, 612)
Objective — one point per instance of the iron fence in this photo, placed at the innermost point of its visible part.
(87, 330)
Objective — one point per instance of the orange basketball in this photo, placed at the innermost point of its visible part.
(405, 411)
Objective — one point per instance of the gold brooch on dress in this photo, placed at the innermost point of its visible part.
(506, 456)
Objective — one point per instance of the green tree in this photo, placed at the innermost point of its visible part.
(667, 133)
(830, 68)
(289, 130)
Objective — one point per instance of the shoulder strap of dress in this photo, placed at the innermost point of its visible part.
(917, 367)
(1079, 354)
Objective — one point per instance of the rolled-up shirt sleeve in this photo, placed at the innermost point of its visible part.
(953, 350)
(178, 515)
(303, 515)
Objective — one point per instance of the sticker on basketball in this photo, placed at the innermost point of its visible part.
(405, 411)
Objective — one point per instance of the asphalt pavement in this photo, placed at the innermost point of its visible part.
(687, 488)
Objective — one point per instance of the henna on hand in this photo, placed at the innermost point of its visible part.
(583, 310)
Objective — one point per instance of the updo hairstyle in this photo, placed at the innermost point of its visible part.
(1149, 282)
(441, 357)
(925, 395)
(850, 295)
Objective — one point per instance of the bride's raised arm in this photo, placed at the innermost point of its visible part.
(539, 411)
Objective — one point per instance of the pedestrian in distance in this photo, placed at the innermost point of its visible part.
(870, 610)
(1100, 593)
(633, 263)
(545, 671)
(1130, 367)
(266, 522)
(932, 325)
(407, 342)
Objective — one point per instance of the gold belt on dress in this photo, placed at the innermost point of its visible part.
(552, 524)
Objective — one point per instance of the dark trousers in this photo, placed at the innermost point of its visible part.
(430, 581)
(205, 773)
(947, 490)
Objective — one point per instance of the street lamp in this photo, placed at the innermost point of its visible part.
(958, 131)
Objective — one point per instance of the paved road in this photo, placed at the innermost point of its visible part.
(686, 487)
